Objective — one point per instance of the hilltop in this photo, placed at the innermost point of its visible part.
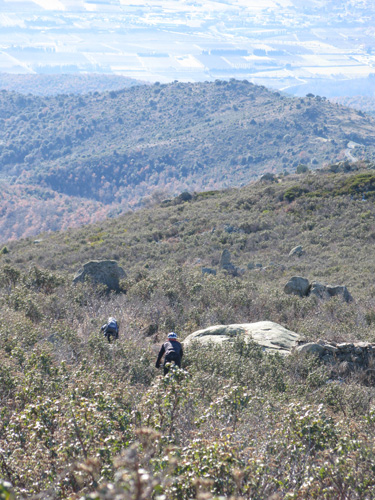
(54, 84)
(118, 147)
(235, 422)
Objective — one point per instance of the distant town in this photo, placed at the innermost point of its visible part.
(323, 47)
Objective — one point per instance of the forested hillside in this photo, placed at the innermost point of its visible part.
(82, 418)
(118, 147)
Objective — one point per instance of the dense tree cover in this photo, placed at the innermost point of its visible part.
(81, 418)
(117, 147)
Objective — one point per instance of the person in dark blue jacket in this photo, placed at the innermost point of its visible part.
(173, 351)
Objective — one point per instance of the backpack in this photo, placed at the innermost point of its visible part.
(111, 328)
(173, 352)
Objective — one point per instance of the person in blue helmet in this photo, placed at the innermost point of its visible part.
(173, 352)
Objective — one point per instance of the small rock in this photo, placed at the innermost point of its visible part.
(311, 348)
(331, 349)
(363, 345)
(345, 346)
(208, 270)
(297, 251)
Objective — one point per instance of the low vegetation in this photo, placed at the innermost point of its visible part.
(117, 147)
(82, 418)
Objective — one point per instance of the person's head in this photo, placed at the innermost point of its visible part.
(172, 336)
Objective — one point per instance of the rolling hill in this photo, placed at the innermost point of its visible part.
(52, 84)
(117, 148)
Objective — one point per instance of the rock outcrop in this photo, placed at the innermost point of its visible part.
(106, 272)
(271, 336)
(303, 288)
(343, 358)
(327, 291)
(346, 357)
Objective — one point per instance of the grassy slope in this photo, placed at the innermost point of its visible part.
(237, 422)
(118, 147)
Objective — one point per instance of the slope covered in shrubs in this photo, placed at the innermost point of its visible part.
(117, 147)
(82, 418)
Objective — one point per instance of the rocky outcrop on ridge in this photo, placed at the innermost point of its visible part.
(300, 286)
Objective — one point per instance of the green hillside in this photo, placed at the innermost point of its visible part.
(82, 418)
(118, 147)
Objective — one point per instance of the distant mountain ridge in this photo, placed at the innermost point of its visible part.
(54, 84)
(116, 148)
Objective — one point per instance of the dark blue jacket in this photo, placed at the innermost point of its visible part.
(173, 352)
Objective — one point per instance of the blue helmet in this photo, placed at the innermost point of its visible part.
(172, 335)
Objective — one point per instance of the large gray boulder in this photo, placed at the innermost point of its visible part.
(271, 336)
(106, 272)
(297, 286)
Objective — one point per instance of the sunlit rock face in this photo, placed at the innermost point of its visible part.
(271, 336)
